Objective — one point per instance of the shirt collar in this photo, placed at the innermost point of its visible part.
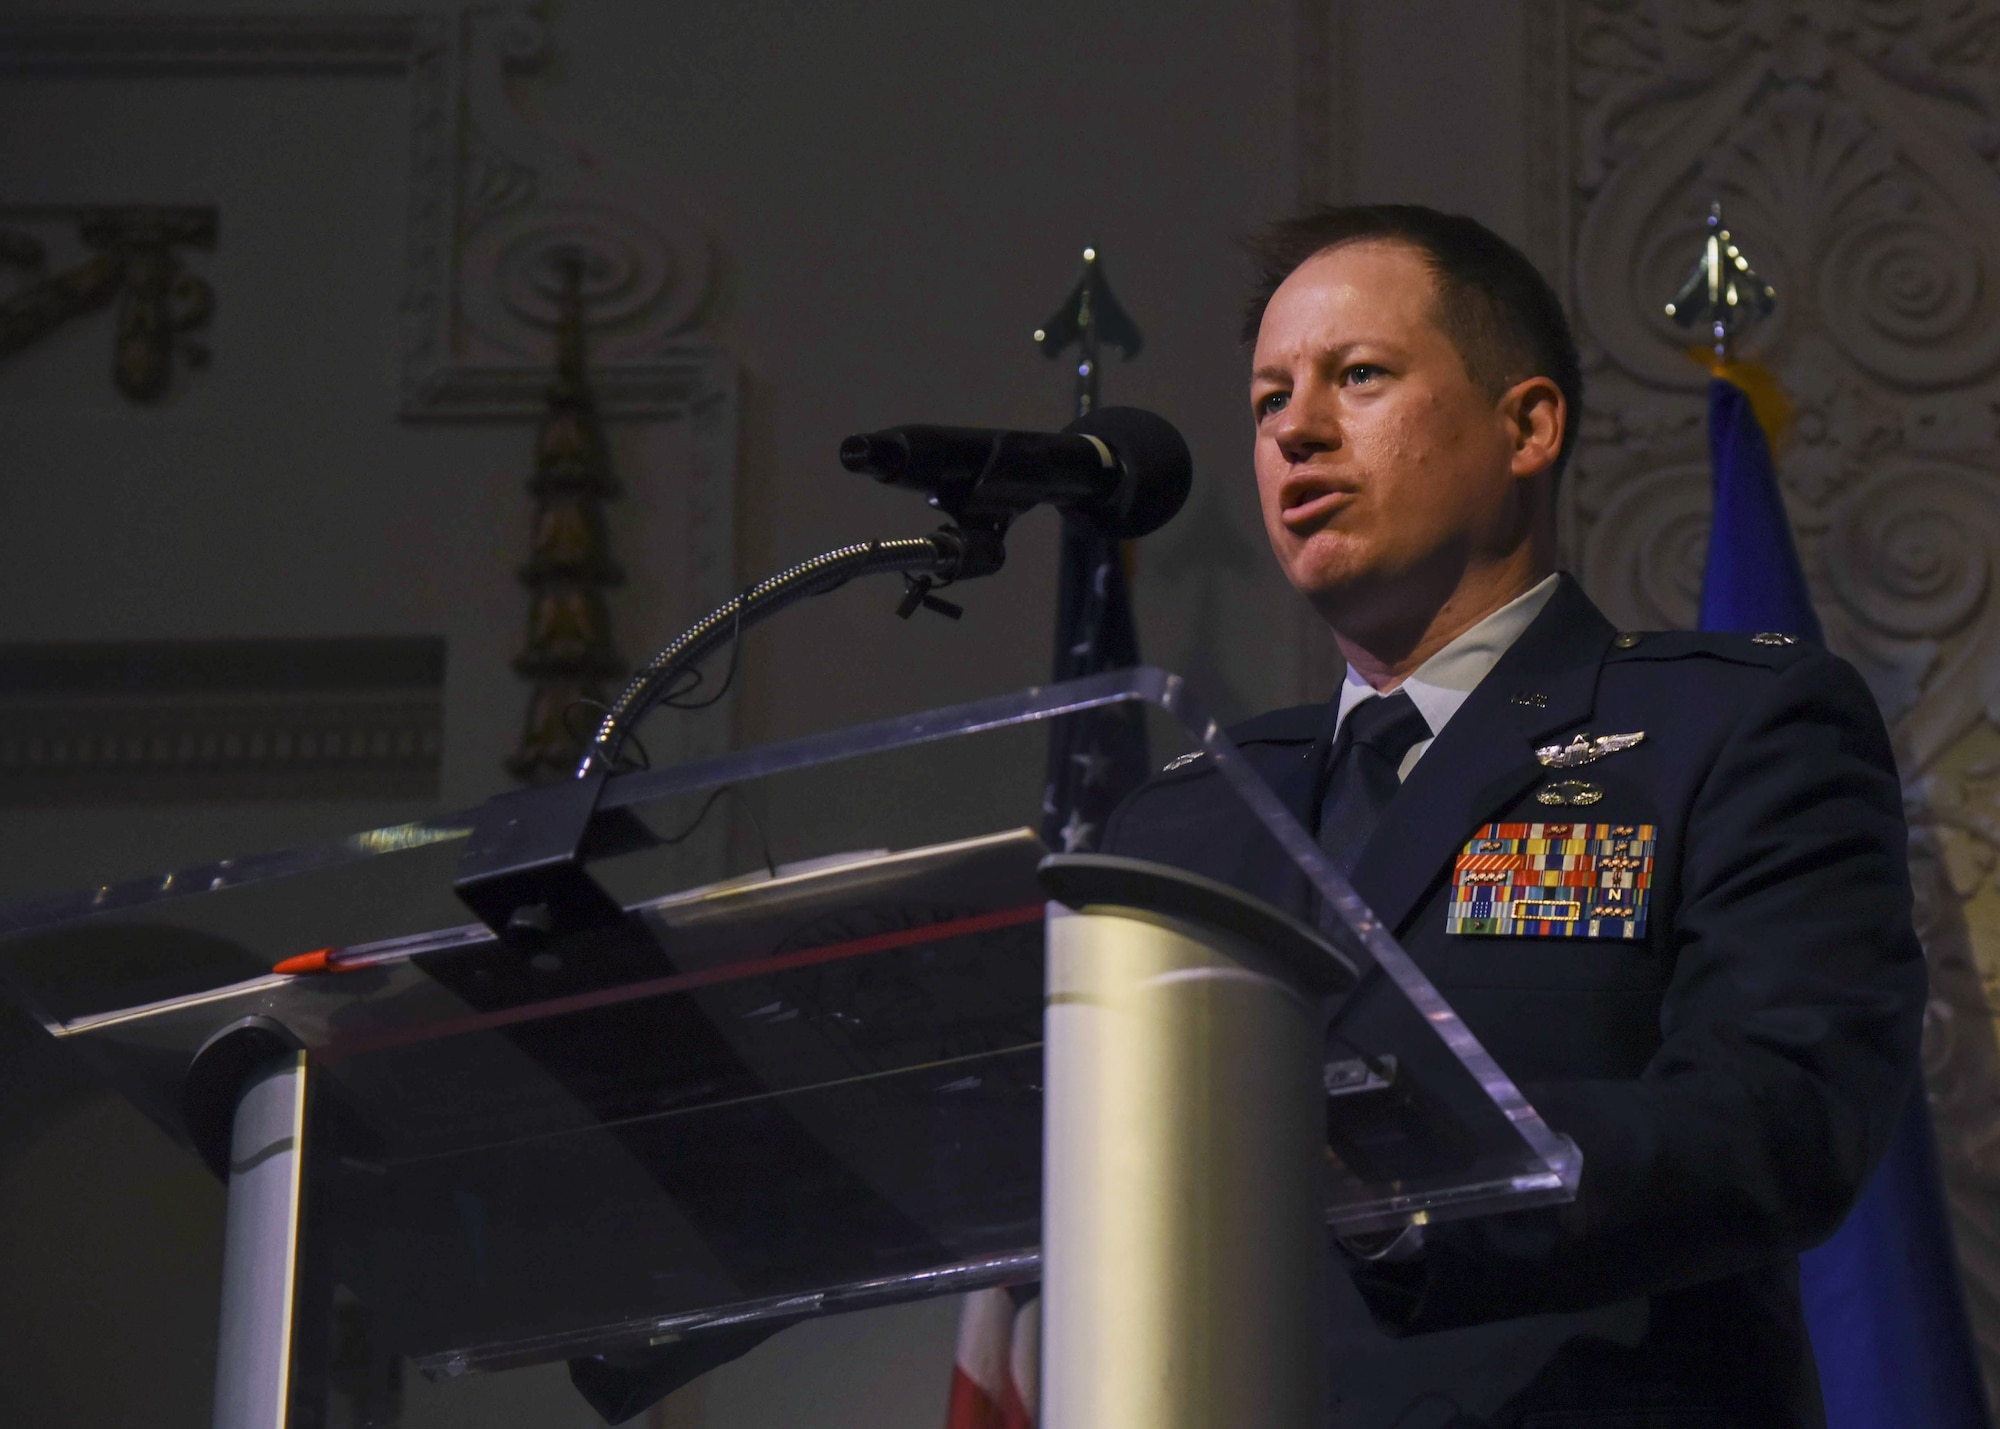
(1440, 685)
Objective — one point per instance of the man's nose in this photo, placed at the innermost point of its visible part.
(1308, 424)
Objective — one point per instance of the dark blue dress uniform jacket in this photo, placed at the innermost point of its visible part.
(1731, 1078)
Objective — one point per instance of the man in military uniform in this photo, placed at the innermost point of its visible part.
(1724, 1018)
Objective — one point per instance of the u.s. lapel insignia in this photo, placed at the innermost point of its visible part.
(1553, 880)
(1584, 749)
(1569, 791)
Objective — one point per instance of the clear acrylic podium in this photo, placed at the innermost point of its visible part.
(915, 1056)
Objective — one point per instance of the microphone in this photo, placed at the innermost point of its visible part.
(1125, 471)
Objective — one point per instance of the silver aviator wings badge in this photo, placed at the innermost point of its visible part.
(1586, 749)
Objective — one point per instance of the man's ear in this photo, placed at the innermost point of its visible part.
(1536, 416)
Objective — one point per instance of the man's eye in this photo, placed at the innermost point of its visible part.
(1361, 372)
(1272, 402)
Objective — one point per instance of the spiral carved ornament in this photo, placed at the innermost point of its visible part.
(644, 276)
(1910, 551)
(1644, 558)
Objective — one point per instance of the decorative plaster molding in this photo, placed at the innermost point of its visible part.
(242, 721)
(195, 44)
(1857, 159)
(496, 204)
(481, 310)
(1854, 148)
(134, 261)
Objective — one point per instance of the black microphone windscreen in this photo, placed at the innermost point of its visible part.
(1158, 471)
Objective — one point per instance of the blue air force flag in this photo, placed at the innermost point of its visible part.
(1883, 1303)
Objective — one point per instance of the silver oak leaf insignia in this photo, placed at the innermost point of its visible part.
(1585, 749)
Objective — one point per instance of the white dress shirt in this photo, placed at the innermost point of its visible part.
(1439, 686)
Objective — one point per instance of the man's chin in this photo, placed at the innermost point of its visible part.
(1335, 585)
(1369, 599)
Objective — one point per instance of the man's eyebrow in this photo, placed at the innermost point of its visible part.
(1270, 373)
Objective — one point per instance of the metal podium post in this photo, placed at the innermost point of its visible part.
(261, 1247)
(1183, 1226)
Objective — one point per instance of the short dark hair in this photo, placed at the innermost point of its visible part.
(1496, 307)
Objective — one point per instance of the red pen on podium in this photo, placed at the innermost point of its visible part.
(357, 956)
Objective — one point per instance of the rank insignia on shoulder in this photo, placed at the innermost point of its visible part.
(1180, 762)
(1772, 637)
(1584, 749)
(1553, 880)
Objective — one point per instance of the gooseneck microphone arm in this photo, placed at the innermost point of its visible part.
(947, 555)
(1122, 470)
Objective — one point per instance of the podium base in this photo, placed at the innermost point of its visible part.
(1184, 1233)
(260, 1248)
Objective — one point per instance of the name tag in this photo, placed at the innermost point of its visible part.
(1553, 880)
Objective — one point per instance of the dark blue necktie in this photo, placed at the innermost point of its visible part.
(1361, 772)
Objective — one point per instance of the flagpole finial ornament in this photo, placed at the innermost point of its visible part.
(1721, 289)
(1088, 318)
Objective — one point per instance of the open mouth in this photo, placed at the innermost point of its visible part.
(1313, 504)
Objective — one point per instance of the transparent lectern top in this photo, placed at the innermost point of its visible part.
(811, 1085)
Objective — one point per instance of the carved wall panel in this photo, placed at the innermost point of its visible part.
(1854, 148)
(491, 234)
(497, 202)
(220, 721)
(499, 206)
(131, 259)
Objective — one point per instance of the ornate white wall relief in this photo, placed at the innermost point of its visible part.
(1854, 148)
(498, 206)
(501, 206)
(495, 201)
(491, 227)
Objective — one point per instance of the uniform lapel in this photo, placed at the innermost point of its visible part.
(1264, 871)
(1486, 756)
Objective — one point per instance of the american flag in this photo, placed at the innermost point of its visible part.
(1098, 757)
(994, 1376)
(1095, 759)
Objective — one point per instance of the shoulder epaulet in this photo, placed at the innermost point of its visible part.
(1298, 725)
(1772, 649)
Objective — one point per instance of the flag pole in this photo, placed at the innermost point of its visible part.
(1183, 1269)
(1094, 759)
